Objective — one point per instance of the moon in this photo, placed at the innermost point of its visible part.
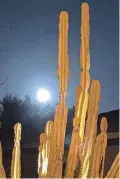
(43, 95)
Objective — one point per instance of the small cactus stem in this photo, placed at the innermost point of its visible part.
(53, 150)
(48, 131)
(16, 154)
(99, 151)
(114, 170)
(82, 96)
(42, 162)
(2, 170)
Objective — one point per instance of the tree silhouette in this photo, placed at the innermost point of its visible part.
(31, 114)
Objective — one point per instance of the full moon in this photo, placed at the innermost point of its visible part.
(43, 95)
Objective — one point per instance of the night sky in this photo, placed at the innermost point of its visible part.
(28, 47)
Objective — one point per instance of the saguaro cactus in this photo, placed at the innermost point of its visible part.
(2, 171)
(82, 95)
(15, 164)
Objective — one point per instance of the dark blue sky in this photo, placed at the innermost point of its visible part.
(28, 47)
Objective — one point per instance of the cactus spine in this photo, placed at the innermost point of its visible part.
(15, 164)
(2, 171)
(82, 96)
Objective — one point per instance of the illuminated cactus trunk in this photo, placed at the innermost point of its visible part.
(99, 151)
(2, 171)
(114, 171)
(16, 154)
(82, 96)
(91, 128)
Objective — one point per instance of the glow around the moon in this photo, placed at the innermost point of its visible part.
(43, 95)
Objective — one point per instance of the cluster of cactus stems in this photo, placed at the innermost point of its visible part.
(86, 156)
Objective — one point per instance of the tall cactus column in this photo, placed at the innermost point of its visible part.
(63, 77)
(63, 74)
(82, 96)
(15, 164)
(60, 119)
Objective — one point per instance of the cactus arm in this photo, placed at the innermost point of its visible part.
(16, 154)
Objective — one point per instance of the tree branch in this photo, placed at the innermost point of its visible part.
(4, 81)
